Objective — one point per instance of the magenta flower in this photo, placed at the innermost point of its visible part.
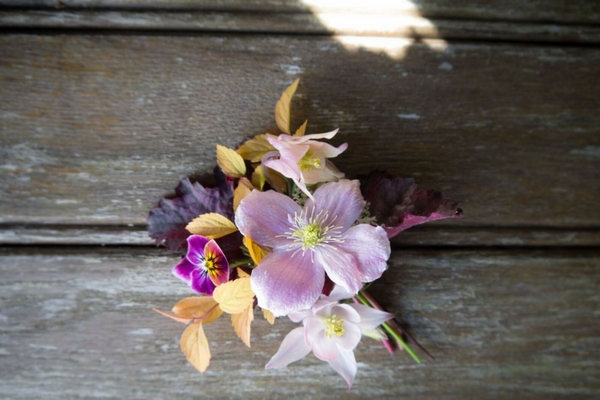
(204, 267)
(304, 160)
(310, 242)
(331, 331)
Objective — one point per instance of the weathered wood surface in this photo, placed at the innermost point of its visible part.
(106, 104)
(502, 324)
(573, 11)
(95, 128)
(324, 23)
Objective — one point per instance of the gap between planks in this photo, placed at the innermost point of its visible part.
(325, 23)
(423, 236)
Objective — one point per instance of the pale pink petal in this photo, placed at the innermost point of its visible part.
(326, 150)
(284, 281)
(299, 315)
(302, 139)
(346, 312)
(293, 348)
(345, 365)
(285, 166)
(371, 248)
(314, 330)
(370, 318)
(351, 337)
(322, 175)
(325, 349)
(342, 201)
(340, 266)
(339, 293)
(265, 216)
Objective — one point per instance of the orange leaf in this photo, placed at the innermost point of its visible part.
(243, 189)
(195, 346)
(211, 225)
(300, 131)
(198, 307)
(269, 316)
(174, 317)
(241, 323)
(230, 162)
(282, 109)
(257, 253)
(234, 296)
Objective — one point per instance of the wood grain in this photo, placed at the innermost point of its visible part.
(96, 128)
(319, 23)
(573, 11)
(76, 323)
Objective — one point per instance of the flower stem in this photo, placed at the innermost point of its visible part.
(242, 262)
(388, 328)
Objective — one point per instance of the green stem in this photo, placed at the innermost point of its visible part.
(361, 297)
(242, 262)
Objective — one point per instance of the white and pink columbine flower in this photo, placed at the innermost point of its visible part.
(309, 242)
(303, 159)
(331, 331)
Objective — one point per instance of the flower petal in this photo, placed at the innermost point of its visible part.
(284, 282)
(183, 270)
(370, 318)
(314, 330)
(326, 150)
(339, 293)
(346, 312)
(299, 315)
(195, 251)
(371, 248)
(342, 200)
(219, 273)
(265, 216)
(302, 139)
(201, 283)
(351, 337)
(293, 348)
(340, 266)
(345, 365)
(323, 348)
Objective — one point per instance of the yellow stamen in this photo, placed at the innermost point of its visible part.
(334, 325)
(309, 161)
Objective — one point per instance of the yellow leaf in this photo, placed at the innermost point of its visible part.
(256, 252)
(173, 317)
(269, 316)
(198, 307)
(243, 189)
(300, 131)
(282, 109)
(241, 323)
(258, 178)
(211, 225)
(255, 148)
(230, 162)
(195, 346)
(234, 296)
(242, 273)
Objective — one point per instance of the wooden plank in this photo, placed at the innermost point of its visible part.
(501, 324)
(573, 11)
(302, 23)
(96, 128)
(424, 235)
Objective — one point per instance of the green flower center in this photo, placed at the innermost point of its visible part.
(309, 161)
(310, 235)
(334, 325)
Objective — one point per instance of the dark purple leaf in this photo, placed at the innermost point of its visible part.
(167, 222)
(397, 204)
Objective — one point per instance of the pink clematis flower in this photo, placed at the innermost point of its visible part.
(331, 331)
(303, 159)
(310, 242)
(204, 267)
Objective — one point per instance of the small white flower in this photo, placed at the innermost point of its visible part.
(331, 331)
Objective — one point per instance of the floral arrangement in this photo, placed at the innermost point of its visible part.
(282, 230)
